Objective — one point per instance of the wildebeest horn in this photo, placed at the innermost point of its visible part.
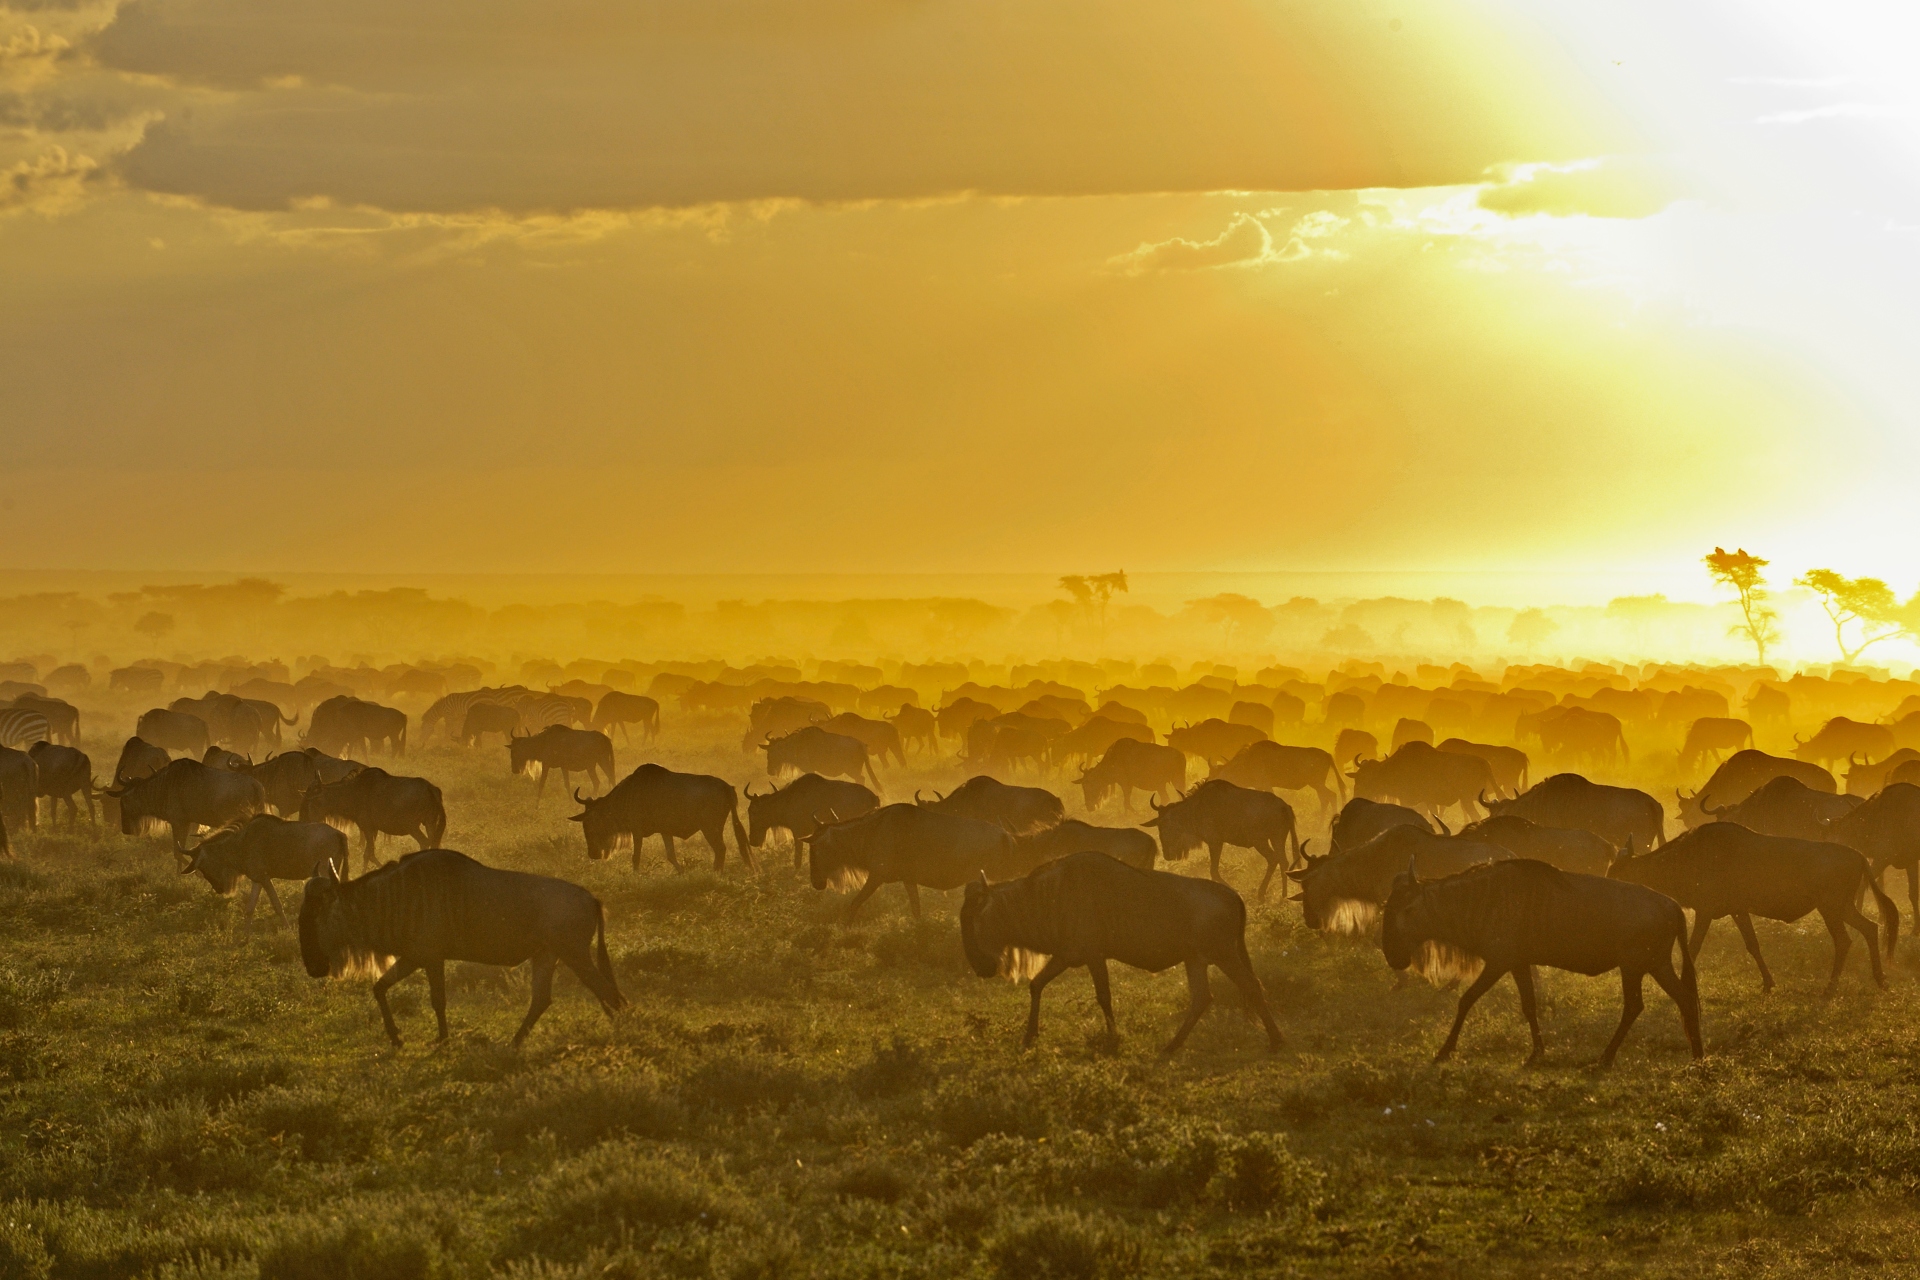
(1682, 796)
(1712, 812)
(983, 877)
(1412, 874)
(578, 798)
(1484, 802)
(916, 796)
(1153, 803)
(1799, 741)
(1444, 829)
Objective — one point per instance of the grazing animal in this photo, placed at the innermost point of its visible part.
(1343, 892)
(1841, 739)
(1256, 714)
(1214, 741)
(623, 709)
(1096, 737)
(1507, 917)
(815, 750)
(1723, 869)
(799, 807)
(19, 788)
(910, 845)
(569, 751)
(1615, 814)
(1711, 735)
(1356, 745)
(879, 737)
(917, 727)
(1568, 848)
(993, 744)
(228, 719)
(483, 718)
(778, 717)
(139, 759)
(343, 724)
(288, 776)
(136, 680)
(1088, 909)
(1407, 730)
(1866, 779)
(1130, 845)
(655, 801)
(185, 796)
(1421, 776)
(1886, 829)
(1130, 765)
(221, 758)
(21, 727)
(1216, 814)
(265, 849)
(450, 712)
(439, 905)
(1360, 820)
(955, 719)
(1274, 766)
(375, 803)
(1018, 810)
(1577, 735)
(1739, 776)
(1509, 764)
(1788, 807)
(174, 731)
(63, 718)
(64, 772)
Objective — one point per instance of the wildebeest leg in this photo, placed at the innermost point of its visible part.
(1103, 992)
(1631, 1003)
(367, 836)
(1747, 935)
(402, 967)
(1199, 997)
(1523, 979)
(1053, 968)
(542, 996)
(1468, 998)
(253, 900)
(1837, 929)
(1213, 861)
(1689, 1011)
(1701, 923)
(437, 989)
(718, 839)
(913, 897)
(859, 900)
(1273, 865)
(273, 900)
(1238, 967)
(672, 858)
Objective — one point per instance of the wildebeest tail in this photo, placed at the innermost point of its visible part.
(740, 837)
(1689, 978)
(600, 961)
(874, 777)
(437, 825)
(1889, 915)
(401, 749)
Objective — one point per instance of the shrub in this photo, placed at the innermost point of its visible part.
(581, 1109)
(969, 1108)
(323, 1125)
(616, 1190)
(355, 1249)
(873, 1178)
(1258, 1172)
(1062, 1245)
(896, 1068)
(743, 1082)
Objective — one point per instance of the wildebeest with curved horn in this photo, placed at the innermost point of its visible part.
(879, 737)
(1841, 738)
(1130, 845)
(815, 750)
(1214, 740)
(375, 803)
(289, 775)
(1343, 892)
(1216, 814)
(1088, 909)
(797, 808)
(1422, 776)
(1739, 776)
(1615, 814)
(1360, 820)
(1886, 829)
(438, 905)
(1275, 766)
(1018, 810)
(265, 849)
(568, 750)
(1568, 848)
(1507, 917)
(1788, 807)
(1131, 765)
(185, 796)
(1723, 869)
(139, 759)
(654, 800)
(1710, 735)
(64, 773)
(617, 707)
(910, 845)
(917, 728)
(174, 731)
(1508, 764)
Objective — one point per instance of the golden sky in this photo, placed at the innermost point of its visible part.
(957, 285)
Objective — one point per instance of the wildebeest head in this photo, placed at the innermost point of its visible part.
(833, 856)
(326, 927)
(1179, 828)
(1401, 929)
(217, 858)
(1095, 782)
(221, 758)
(760, 815)
(1320, 904)
(985, 933)
(599, 822)
(520, 753)
(1495, 807)
(140, 800)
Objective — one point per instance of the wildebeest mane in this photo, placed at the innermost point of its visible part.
(1473, 902)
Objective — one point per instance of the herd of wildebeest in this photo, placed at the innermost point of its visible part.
(1472, 837)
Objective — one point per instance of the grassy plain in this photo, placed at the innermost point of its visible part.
(790, 1096)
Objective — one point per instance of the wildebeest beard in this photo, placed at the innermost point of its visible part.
(847, 878)
(1352, 915)
(330, 931)
(1445, 965)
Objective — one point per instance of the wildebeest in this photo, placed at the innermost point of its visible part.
(619, 708)
(1886, 829)
(1724, 869)
(1018, 810)
(1841, 738)
(265, 849)
(1256, 714)
(1508, 764)
(1094, 738)
(1275, 766)
(1576, 734)
(655, 801)
(439, 905)
(221, 758)
(343, 723)
(1568, 848)
(139, 759)
(1087, 909)
(1423, 777)
(1360, 820)
(1616, 814)
(956, 718)
(185, 796)
(1343, 892)
(1865, 779)
(815, 750)
(1788, 807)
(64, 773)
(1130, 845)
(136, 680)
(800, 807)
(993, 744)
(910, 845)
(289, 775)
(1711, 735)
(917, 728)
(1131, 765)
(1407, 729)
(777, 717)
(1215, 741)
(1216, 814)
(1768, 705)
(269, 717)
(375, 803)
(1356, 744)
(1740, 775)
(879, 737)
(19, 788)
(1507, 917)
(483, 718)
(570, 751)
(886, 699)
(174, 731)
(228, 719)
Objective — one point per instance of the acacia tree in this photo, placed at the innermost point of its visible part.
(1869, 602)
(1094, 591)
(1531, 628)
(1741, 573)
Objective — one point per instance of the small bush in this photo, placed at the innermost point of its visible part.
(743, 1082)
(311, 1120)
(897, 1068)
(874, 1178)
(616, 1190)
(1061, 1245)
(353, 1250)
(580, 1110)
(1258, 1172)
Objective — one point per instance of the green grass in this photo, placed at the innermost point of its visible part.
(792, 1097)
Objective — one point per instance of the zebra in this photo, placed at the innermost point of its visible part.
(539, 710)
(21, 727)
(63, 718)
(450, 712)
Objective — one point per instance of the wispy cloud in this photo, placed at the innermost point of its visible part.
(1832, 111)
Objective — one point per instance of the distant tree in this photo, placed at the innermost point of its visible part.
(1094, 591)
(1348, 637)
(1742, 574)
(1243, 618)
(1867, 602)
(154, 625)
(1531, 627)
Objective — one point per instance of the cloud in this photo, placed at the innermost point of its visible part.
(49, 183)
(1598, 188)
(1832, 111)
(1246, 242)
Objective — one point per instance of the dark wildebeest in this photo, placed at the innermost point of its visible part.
(1739, 776)
(1256, 714)
(910, 845)
(483, 718)
(1343, 892)
(1711, 735)
(1120, 714)
(175, 731)
(221, 758)
(1130, 845)
(777, 717)
(139, 759)
(289, 775)
(570, 751)
(800, 807)
(815, 750)
(1568, 848)
(1131, 765)
(1407, 729)
(1087, 909)
(1274, 766)
(1356, 744)
(1615, 814)
(1788, 807)
(1216, 814)
(1841, 738)
(956, 718)
(1576, 734)
(992, 744)
(228, 719)
(1214, 741)
(438, 905)
(887, 699)
(623, 709)
(655, 801)
(1866, 779)
(263, 850)
(1886, 829)
(917, 728)
(1507, 917)
(1424, 777)
(185, 796)
(1018, 810)
(1724, 869)
(63, 718)
(375, 803)
(1769, 705)
(65, 772)
(1360, 820)
(1094, 738)
(270, 718)
(342, 723)
(19, 788)
(1345, 709)
(1509, 764)
(880, 738)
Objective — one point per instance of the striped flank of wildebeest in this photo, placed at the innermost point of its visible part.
(21, 727)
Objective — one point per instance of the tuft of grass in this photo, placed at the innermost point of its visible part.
(25, 996)
(1060, 1244)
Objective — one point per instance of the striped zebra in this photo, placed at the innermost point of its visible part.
(21, 727)
(63, 718)
(539, 710)
(450, 712)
